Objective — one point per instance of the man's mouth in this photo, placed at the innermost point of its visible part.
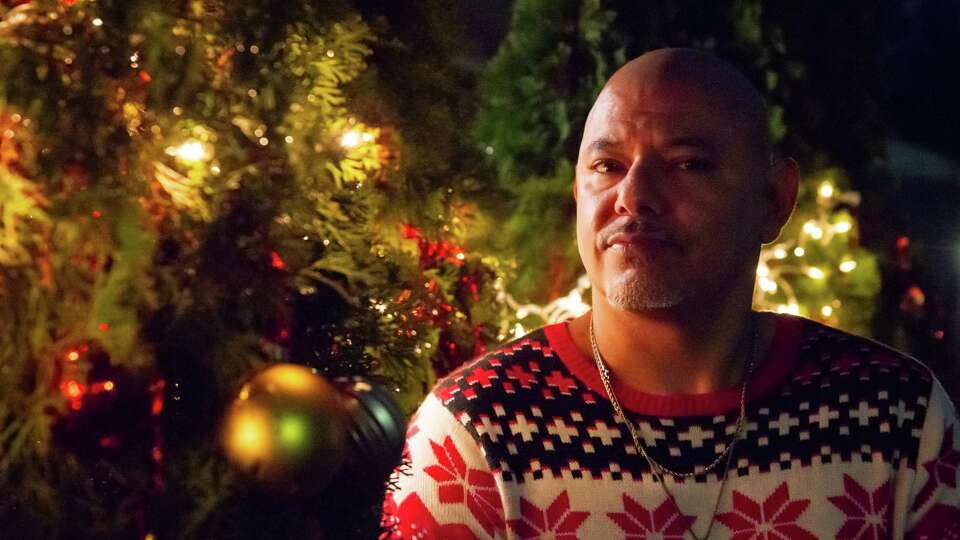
(641, 239)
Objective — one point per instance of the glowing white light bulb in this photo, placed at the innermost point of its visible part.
(842, 226)
(791, 308)
(825, 190)
(768, 285)
(815, 273)
(350, 139)
(847, 266)
(191, 151)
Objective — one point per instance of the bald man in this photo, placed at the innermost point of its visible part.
(671, 409)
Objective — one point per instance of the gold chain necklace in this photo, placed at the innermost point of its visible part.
(657, 468)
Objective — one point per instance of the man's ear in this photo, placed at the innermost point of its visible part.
(574, 187)
(785, 183)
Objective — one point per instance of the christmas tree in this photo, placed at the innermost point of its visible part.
(537, 91)
(191, 192)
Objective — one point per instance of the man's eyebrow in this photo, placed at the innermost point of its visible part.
(691, 141)
(600, 145)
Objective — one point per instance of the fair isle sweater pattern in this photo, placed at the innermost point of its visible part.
(844, 439)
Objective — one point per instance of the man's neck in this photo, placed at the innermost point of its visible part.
(668, 352)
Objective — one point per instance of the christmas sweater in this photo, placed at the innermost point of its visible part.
(844, 438)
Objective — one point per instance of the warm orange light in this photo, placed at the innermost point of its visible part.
(73, 389)
(248, 437)
(73, 356)
(290, 377)
(108, 386)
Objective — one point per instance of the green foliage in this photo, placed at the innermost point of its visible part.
(831, 277)
(190, 191)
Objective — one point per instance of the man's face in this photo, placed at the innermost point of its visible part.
(670, 193)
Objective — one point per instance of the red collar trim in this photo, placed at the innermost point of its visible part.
(780, 359)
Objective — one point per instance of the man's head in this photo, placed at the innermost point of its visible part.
(676, 188)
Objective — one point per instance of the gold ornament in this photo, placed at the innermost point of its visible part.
(287, 428)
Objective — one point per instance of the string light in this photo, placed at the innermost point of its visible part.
(519, 330)
(842, 226)
(768, 285)
(818, 248)
(825, 190)
(848, 266)
(191, 151)
(563, 308)
(350, 139)
(791, 308)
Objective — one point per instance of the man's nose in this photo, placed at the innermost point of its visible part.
(640, 188)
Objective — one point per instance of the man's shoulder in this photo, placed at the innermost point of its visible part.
(878, 392)
(828, 351)
(505, 373)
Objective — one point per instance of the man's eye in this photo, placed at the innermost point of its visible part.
(694, 165)
(604, 167)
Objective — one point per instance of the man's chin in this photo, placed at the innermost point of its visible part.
(640, 297)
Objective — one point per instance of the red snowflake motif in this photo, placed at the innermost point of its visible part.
(775, 519)
(868, 514)
(457, 484)
(941, 470)
(557, 522)
(941, 522)
(413, 521)
(664, 523)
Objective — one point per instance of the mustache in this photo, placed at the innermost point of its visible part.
(644, 226)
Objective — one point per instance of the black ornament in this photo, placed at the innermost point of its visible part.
(376, 428)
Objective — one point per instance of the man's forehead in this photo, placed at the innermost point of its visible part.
(616, 116)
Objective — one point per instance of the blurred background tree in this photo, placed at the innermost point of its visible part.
(194, 191)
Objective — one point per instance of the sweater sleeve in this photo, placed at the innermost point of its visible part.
(444, 489)
(934, 508)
